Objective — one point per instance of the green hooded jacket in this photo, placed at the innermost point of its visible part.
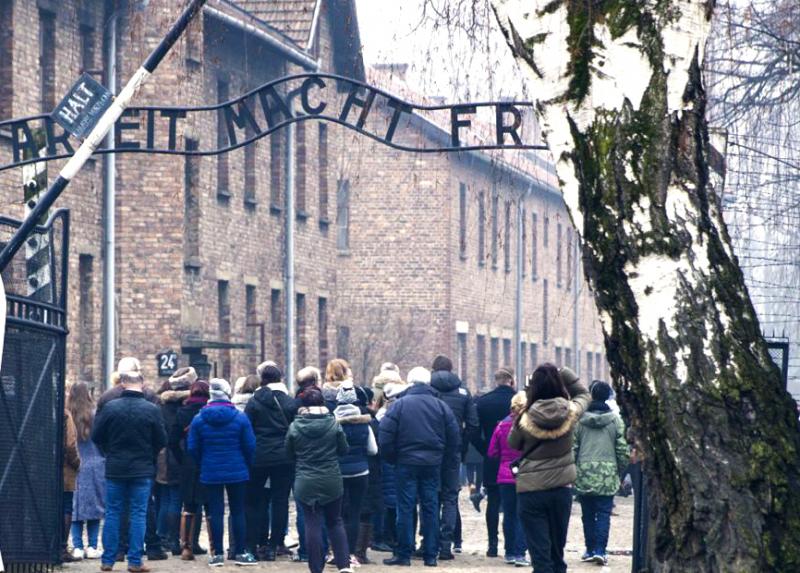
(315, 441)
(601, 453)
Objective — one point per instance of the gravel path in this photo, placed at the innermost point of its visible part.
(472, 560)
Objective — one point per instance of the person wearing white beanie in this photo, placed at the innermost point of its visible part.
(417, 434)
(419, 375)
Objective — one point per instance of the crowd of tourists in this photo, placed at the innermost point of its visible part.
(366, 465)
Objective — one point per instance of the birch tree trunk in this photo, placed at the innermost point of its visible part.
(622, 104)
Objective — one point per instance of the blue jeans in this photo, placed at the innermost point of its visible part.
(596, 510)
(300, 523)
(413, 482)
(545, 520)
(216, 511)
(169, 504)
(512, 527)
(92, 531)
(136, 493)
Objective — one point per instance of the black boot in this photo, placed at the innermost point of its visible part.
(172, 541)
(363, 542)
(396, 561)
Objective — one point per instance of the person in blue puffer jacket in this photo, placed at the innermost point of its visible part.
(222, 441)
(353, 463)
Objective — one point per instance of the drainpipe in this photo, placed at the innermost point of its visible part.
(109, 206)
(289, 249)
(576, 361)
(518, 299)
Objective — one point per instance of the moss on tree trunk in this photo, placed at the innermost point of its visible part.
(707, 404)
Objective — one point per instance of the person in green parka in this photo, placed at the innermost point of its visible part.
(314, 442)
(601, 456)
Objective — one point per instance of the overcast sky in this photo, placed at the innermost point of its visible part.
(455, 52)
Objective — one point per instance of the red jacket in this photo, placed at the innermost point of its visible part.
(499, 448)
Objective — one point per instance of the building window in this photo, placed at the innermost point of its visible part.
(462, 219)
(546, 231)
(276, 323)
(343, 342)
(544, 312)
(87, 48)
(252, 327)
(6, 58)
(558, 256)
(589, 361)
(569, 259)
(322, 330)
(507, 359)
(300, 328)
(86, 316)
(191, 201)
(507, 238)
(300, 170)
(494, 355)
(495, 202)
(523, 356)
(534, 248)
(462, 357)
(568, 358)
(482, 229)
(223, 166)
(534, 356)
(343, 214)
(559, 357)
(276, 170)
(224, 322)
(47, 59)
(481, 362)
(322, 158)
(250, 182)
(598, 365)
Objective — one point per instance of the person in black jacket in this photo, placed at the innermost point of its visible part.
(418, 434)
(193, 494)
(130, 433)
(451, 392)
(271, 411)
(493, 407)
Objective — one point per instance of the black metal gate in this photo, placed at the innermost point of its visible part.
(32, 397)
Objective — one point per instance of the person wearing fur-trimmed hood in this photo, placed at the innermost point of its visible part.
(168, 479)
(555, 401)
(354, 464)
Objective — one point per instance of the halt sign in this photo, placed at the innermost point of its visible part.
(82, 107)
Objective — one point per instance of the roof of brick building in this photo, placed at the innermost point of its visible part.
(294, 18)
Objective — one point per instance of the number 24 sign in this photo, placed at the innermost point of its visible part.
(167, 362)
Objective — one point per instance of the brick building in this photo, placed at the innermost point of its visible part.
(395, 254)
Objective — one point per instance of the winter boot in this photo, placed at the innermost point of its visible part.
(363, 542)
(198, 522)
(172, 541)
(187, 529)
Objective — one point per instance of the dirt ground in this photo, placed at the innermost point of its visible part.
(472, 560)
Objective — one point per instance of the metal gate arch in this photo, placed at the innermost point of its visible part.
(32, 403)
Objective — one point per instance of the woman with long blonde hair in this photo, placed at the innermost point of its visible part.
(88, 505)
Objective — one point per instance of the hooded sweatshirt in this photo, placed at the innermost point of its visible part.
(601, 452)
(221, 441)
(314, 443)
(544, 435)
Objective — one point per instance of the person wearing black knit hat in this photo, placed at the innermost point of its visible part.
(271, 411)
